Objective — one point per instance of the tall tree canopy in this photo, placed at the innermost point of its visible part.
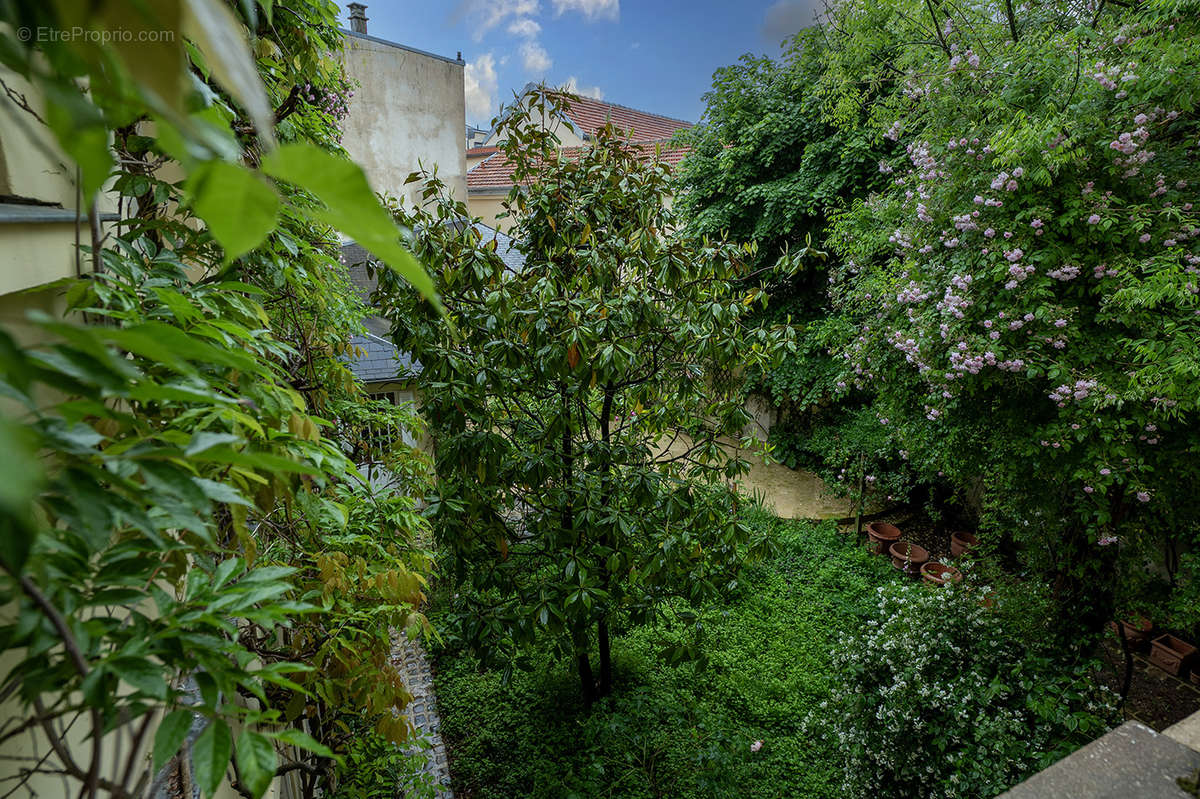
(579, 407)
(1024, 292)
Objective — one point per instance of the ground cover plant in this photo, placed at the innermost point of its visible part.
(782, 700)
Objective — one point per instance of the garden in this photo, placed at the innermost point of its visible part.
(955, 247)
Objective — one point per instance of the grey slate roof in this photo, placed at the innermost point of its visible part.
(383, 362)
(505, 247)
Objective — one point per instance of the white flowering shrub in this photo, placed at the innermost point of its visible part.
(939, 698)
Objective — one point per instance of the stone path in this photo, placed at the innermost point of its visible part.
(410, 660)
(791, 493)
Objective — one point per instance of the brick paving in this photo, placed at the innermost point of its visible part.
(1156, 698)
(409, 657)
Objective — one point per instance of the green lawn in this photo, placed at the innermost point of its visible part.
(675, 731)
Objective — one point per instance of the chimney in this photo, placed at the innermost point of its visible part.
(358, 18)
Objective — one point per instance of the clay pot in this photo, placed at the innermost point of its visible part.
(1137, 630)
(934, 573)
(962, 542)
(882, 535)
(908, 557)
(1171, 654)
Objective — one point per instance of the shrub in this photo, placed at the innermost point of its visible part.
(376, 768)
(939, 697)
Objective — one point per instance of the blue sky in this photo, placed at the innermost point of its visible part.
(653, 55)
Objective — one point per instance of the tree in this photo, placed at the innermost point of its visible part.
(773, 160)
(579, 406)
(1024, 294)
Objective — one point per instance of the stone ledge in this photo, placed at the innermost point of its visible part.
(1131, 761)
(1187, 732)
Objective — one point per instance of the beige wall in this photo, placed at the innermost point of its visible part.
(407, 107)
(33, 253)
(486, 207)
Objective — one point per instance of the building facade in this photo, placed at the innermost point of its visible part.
(408, 111)
(489, 173)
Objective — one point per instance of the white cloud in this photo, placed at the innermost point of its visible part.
(480, 84)
(535, 58)
(483, 15)
(787, 17)
(572, 86)
(592, 9)
(525, 27)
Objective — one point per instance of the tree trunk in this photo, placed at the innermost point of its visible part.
(605, 658)
(587, 682)
(606, 541)
(1127, 657)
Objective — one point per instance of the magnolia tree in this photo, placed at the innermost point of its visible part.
(579, 405)
(1026, 287)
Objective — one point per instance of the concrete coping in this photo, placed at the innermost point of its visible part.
(24, 214)
(368, 37)
(1132, 761)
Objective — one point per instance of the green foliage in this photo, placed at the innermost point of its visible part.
(918, 712)
(852, 450)
(1023, 296)
(192, 544)
(772, 163)
(578, 407)
(671, 728)
(767, 163)
(375, 768)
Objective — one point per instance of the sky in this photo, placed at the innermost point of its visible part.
(652, 55)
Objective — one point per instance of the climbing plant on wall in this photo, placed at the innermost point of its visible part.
(203, 584)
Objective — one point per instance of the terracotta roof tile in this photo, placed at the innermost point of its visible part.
(495, 171)
(589, 116)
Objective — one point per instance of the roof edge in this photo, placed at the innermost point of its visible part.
(389, 43)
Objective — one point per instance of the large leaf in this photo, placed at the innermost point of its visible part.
(210, 756)
(141, 673)
(172, 732)
(20, 473)
(303, 740)
(239, 207)
(256, 762)
(350, 206)
(222, 39)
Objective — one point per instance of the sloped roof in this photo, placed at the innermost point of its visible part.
(494, 173)
(382, 361)
(589, 115)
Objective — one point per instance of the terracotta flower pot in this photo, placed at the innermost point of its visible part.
(882, 535)
(962, 542)
(934, 573)
(1137, 630)
(908, 557)
(1171, 654)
